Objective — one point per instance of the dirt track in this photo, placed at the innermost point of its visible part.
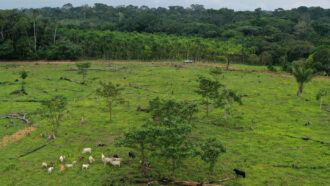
(166, 64)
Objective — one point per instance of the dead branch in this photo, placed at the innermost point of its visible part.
(71, 80)
(226, 179)
(137, 87)
(20, 116)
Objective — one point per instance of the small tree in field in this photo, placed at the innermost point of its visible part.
(172, 141)
(23, 75)
(211, 151)
(82, 69)
(111, 93)
(216, 72)
(54, 110)
(226, 100)
(303, 75)
(322, 93)
(138, 139)
(208, 89)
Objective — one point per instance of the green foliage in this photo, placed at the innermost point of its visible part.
(320, 60)
(139, 139)
(221, 59)
(172, 141)
(319, 96)
(111, 93)
(82, 69)
(253, 59)
(227, 99)
(23, 74)
(64, 49)
(141, 33)
(165, 109)
(53, 110)
(208, 89)
(302, 74)
(211, 150)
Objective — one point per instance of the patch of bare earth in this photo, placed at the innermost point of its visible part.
(17, 136)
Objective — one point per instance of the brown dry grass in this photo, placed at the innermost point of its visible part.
(17, 136)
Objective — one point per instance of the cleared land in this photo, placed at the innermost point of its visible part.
(264, 138)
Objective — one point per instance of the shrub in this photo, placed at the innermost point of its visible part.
(253, 59)
(221, 59)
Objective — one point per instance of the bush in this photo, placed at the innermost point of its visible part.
(64, 50)
(222, 59)
(253, 59)
(266, 58)
(271, 68)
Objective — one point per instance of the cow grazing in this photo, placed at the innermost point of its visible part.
(239, 173)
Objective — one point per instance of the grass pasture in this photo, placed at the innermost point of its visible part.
(264, 134)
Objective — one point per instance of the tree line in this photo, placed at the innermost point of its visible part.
(257, 37)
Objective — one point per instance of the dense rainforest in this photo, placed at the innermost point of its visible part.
(257, 37)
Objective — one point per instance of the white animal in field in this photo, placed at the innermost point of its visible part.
(105, 160)
(85, 150)
(85, 166)
(113, 161)
(50, 169)
(62, 158)
(71, 165)
(91, 159)
(44, 164)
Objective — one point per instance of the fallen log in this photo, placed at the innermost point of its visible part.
(294, 166)
(308, 139)
(20, 116)
(71, 80)
(32, 151)
(21, 101)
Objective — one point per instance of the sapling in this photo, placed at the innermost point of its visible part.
(111, 93)
(211, 151)
(82, 70)
(322, 93)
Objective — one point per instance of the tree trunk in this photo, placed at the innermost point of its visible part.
(35, 35)
(55, 35)
(300, 91)
(228, 63)
(143, 159)
(173, 168)
(207, 107)
(110, 109)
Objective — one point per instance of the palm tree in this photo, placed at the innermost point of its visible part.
(302, 75)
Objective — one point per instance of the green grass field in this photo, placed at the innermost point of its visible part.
(257, 138)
